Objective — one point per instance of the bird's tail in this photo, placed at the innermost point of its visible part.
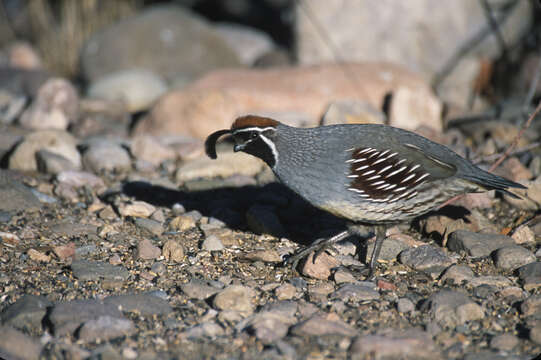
(493, 182)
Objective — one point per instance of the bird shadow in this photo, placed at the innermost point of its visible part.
(299, 221)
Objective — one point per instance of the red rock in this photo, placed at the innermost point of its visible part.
(385, 285)
(65, 251)
(212, 102)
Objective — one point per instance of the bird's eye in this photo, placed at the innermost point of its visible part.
(254, 135)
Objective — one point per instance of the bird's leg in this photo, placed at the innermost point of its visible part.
(380, 237)
(319, 246)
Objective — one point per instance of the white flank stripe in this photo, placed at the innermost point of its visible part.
(379, 183)
(373, 177)
(378, 161)
(368, 172)
(413, 168)
(383, 153)
(385, 169)
(422, 177)
(400, 189)
(408, 178)
(359, 160)
(364, 150)
(356, 190)
(395, 172)
(390, 156)
(353, 176)
(361, 167)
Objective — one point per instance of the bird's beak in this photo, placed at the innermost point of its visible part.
(210, 143)
(239, 147)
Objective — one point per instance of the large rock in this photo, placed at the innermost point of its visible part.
(212, 102)
(137, 89)
(55, 141)
(167, 40)
(424, 36)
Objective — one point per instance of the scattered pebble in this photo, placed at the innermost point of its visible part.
(426, 258)
(452, 308)
(321, 325)
(477, 245)
(237, 298)
(146, 250)
(212, 243)
(405, 305)
(136, 209)
(173, 251)
(513, 257)
(320, 268)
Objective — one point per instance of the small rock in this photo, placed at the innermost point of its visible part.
(136, 88)
(15, 196)
(55, 141)
(36, 255)
(395, 344)
(197, 289)
(79, 179)
(535, 333)
(149, 149)
(136, 209)
(115, 260)
(158, 268)
(531, 306)
(237, 298)
(206, 329)
(263, 220)
(513, 257)
(152, 226)
(55, 107)
(457, 274)
(107, 213)
(343, 275)
(484, 291)
(51, 163)
(212, 243)
(321, 325)
(452, 308)
(147, 251)
(270, 327)
(129, 353)
(268, 256)
(145, 304)
(405, 305)
(495, 281)
(356, 292)
(389, 250)
(16, 345)
(88, 270)
(477, 245)
(320, 268)
(26, 313)
(504, 342)
(285, 291)
(426, 258)
(513, 169)
(106, 156)
(66, 317)
(182, 223)
(226, 236)
(106, 328)
(523, 235)
(173, 251)
(65, 251)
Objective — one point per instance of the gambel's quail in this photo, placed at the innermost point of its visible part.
(367, 174)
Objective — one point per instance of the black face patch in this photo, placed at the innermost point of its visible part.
(256, 143)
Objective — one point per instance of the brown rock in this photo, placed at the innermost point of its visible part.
(513, 169)
(523, 235)
(23, 56)
(56, 106)
(212, 102)
(65, 251)
(173, 251)
(136, 209)
(321, 267)
(150, 149)
(182, 223)
(38, 256)
(147, 251)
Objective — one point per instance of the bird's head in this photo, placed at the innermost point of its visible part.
(252, 134)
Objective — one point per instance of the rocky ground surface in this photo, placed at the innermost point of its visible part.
(120, 239)
(141, 265)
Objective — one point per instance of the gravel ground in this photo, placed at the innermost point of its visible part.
(141, 269)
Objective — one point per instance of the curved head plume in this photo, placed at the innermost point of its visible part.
(243, 122)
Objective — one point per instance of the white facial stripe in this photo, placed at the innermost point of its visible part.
(271, 146)
(258, 129)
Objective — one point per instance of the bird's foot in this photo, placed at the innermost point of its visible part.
(318, 246)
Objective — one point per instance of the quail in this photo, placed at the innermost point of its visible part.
(366, 173)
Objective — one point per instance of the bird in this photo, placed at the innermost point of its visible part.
(368, 174)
